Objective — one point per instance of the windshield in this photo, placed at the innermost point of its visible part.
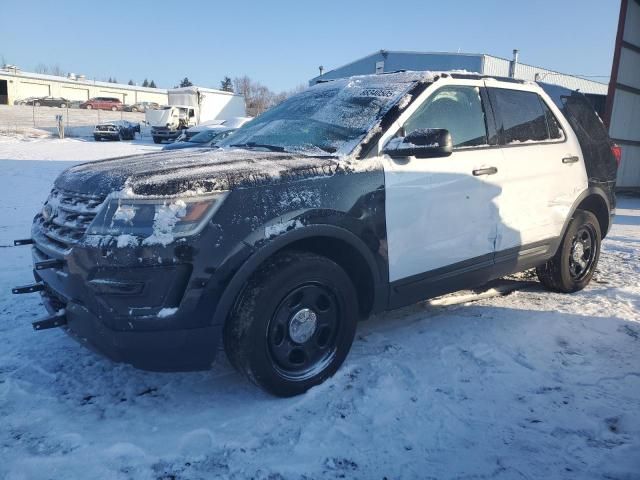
(328, 118)
(206, 136)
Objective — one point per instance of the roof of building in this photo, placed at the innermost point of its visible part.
(483, 63)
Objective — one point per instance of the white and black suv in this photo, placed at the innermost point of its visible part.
(353, 197)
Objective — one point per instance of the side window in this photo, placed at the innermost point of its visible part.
(520, 116)
(456, 108)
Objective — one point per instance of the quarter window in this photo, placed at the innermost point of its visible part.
(456, 108)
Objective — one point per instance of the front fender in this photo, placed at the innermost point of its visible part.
(253, 253)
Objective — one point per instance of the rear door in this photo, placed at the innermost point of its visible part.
(542, 167)
(442, 213)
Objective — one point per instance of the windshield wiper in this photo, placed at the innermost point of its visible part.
(272, 148)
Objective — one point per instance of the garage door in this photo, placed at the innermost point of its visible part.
(73, 93)
(28, 89)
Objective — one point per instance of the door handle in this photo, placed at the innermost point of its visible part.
(572, 159)
(485, 171)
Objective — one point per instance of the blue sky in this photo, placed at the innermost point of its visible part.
(282, 43)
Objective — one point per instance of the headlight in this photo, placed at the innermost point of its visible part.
(158, 220)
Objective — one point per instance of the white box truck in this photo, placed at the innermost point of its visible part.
(191, 106)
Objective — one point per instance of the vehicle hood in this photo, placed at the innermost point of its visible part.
(159, 118)
(202, 170)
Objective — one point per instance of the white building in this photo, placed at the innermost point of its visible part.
(16, 85)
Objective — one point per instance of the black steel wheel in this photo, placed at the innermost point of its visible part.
(583, 252)
(302, 335)
(572, 267)
(294, 323)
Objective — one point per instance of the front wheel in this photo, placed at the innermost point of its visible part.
(113, 109)
(294, 323)
(88, 107)
(573, 265)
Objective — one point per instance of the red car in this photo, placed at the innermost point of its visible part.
(102, 103)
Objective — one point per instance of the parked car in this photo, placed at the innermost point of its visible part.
(117, 130)
(102, 103)
(23, 101)
(141, 107)
(203, 139)
(47, 102)
(233, 123)
(353, 197)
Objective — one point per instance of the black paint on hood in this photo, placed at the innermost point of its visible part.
(175, 172)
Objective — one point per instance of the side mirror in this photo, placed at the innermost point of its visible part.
(421, 143)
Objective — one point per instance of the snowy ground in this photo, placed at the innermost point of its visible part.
(527, 386)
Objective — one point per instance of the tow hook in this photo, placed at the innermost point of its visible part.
(23, 241)
(31, 288)
(56, 320)
(51, 263)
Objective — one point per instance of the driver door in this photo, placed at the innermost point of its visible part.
(442, 215)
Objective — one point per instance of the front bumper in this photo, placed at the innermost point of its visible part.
(106, 135)
(166, 134)
(164, 350)
(147, 306)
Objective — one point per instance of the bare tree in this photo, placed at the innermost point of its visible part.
(41, 68)
(258, 98)
(56, 70)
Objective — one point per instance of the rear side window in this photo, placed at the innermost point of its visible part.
(521, 116)
(456, 108)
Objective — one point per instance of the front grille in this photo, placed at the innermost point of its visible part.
(66, 216)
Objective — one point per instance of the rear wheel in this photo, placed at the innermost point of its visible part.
(573, 265)
(294, 324)
(63, 105)
(157, 140)
(113, 109)
(37, 104)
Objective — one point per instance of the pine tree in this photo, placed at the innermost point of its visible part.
(130, 82)
(186, 82)
(145, 83)
(110, 81)
(152, 84)
(226, 84)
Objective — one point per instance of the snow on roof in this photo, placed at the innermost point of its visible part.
(79, 81)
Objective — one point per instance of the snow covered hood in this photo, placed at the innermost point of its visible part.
(205, 170)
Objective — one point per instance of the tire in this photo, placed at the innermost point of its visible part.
(96, 138)
(572, 267)
(37, 104)
(63, 105)
(157, 140)
(88, 107)
(134, 109)
(113, 109)
(293, 324)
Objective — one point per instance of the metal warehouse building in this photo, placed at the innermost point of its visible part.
(16, 85)
(389, 61)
